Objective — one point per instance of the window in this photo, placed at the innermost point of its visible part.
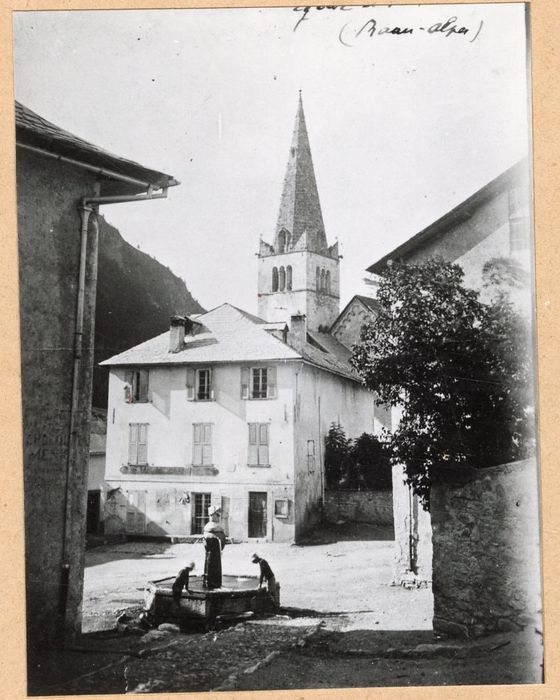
(202, 444)
(136, 389)
(318, 279)
(274, 279)
(289, 278)
(199, 384)
(328, 282)
(281, 241)
(311, 456)
(282, 279)
(138, 443)
(258, 445)
(322, 286)
(281, 508)
(258, 382)
(201, 503)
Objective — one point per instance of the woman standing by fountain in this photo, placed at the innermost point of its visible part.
(214, 542)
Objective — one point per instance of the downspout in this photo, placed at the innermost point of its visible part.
(87, 206)
(85, 212)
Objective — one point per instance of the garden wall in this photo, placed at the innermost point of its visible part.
(374, 507)
(486, 557)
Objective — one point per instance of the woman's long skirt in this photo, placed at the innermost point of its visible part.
(212, 563)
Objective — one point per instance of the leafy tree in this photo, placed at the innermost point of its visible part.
(460, 370)
(336, 455)
(371, 464)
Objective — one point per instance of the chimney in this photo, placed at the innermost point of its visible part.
(177, 333)
(297, 337)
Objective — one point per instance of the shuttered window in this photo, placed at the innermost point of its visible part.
(202, 444)
(138, 443)
(258, 383)
(258, 444)
(136, 389)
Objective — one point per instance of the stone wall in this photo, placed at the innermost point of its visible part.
(49, 253)
(359, 506)
(486, 558)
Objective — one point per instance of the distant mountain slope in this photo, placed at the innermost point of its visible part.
(136, 295)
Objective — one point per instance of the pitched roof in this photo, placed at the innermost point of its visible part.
(34, 130)
(462, 212)
(300, 209)
(232, 335)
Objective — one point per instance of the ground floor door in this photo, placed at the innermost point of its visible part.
(201, 503)
(93, 512)
(257, 513)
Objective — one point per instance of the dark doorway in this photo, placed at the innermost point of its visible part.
(257, 514)
(93, 512)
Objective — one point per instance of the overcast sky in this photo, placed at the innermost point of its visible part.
(402, 127)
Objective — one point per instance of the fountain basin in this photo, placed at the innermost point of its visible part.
(239, 596)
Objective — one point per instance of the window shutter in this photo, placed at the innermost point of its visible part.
(128, 378)
(142, 444)
(210, 390)
(263, 443)
(133, 443)
(271, 378)
(263, 454)
(253, 455)
(207, 433)
(197, 443)
(190, 383)
(206, 454)
(244, 382)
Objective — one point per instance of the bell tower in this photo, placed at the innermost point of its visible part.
(299, 271)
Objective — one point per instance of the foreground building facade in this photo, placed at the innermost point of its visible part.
(61, 182)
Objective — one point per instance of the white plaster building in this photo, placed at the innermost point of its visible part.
(232, 410)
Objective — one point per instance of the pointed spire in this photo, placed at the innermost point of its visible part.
(300, 210)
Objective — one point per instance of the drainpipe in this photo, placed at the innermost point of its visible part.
(87, 207)
(85, 211)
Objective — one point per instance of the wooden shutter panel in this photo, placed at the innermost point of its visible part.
(244, 382)
(191, 379)
(271, 386)
(142, 443)
(210, 387)
(263, 443)
(132, 443)
(253, 454)
(197, 443)
(128, 378)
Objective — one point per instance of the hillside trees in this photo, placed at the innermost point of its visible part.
(460, 371)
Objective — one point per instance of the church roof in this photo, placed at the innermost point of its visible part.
(300, 210)
(233, 335)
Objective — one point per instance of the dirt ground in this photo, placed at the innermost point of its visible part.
(341, 625)
(344, 572)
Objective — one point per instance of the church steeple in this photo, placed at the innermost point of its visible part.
(299, 272)
(300, 210)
